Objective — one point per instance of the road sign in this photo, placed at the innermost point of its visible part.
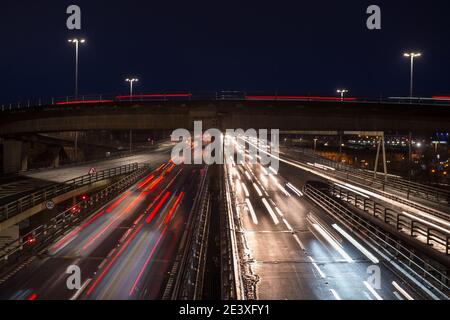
(50, 205)
(92, 171)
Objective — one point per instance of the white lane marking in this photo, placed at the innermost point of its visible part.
(252, 211)
(247, 194)
(79, 291)
(398, 296)
(294, 189)
(372, 290)
(288, 225)
(269, 208)
(279, 212)
(404, 272)
(402, 291)
(257, 189)
(335, 294)
(299, 242)
(322, 275)
(333, 242)
(369, 193)
(366, 252)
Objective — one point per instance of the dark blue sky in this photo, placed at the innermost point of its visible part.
(302, 47)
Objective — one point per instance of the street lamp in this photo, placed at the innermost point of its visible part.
(76, 42)
(315, 146)
(342, 92)
(412, 55)
(131, 81)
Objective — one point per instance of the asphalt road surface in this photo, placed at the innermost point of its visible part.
(124, 251)
(295, 247)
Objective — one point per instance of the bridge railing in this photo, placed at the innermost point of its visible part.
(439, 197)
(423, 271)
(203, 95)
(42, 235)
(415, 228)
(18, 206)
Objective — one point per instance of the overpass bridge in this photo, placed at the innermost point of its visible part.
(173, 111)
(246, 112)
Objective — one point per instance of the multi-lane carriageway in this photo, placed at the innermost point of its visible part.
(124, 250)
(297, 250)
(292, 247)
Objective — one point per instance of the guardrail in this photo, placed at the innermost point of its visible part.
(422, 271)
(419, 190)
(12, 209)
(44, 234)
(239, 280)
(349, 174)
(402, 223)
(186, 277)
(206, 96)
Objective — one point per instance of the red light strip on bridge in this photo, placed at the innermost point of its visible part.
(156, 95)
(441, 97)
(313, 98)
(65, 103)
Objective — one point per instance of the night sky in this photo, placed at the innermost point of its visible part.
(292, 47)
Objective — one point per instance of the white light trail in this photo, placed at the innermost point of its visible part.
(372, 290)
(269, 208)
(288, 225)
(252, 211)
(264, 179)
(294, 189)
(257, 189)
(426, 222)
(333, 242)
(247, 194)
(279, 212)
(353, 190)
(369, 255)
(402, 291)
(287, 194)
(335, 294)
(441, 221)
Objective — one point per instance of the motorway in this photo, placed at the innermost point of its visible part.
(15, 186)
(297, 250)
(127, 248)
(124, 250)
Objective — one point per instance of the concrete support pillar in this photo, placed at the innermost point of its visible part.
(15, 156)
(56, 157)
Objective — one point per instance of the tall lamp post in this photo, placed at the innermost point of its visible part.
(77, 43)
(342, 92)
(412, 56)
(131, 81)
